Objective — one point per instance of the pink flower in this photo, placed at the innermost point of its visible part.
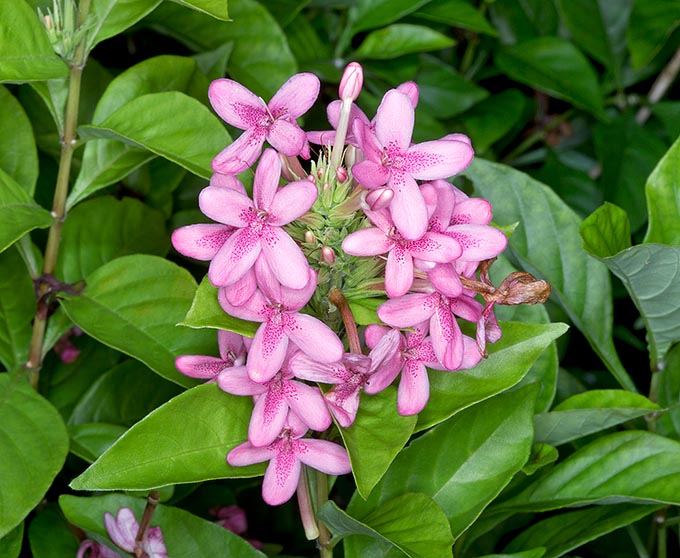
(232, 353)
(285, 456)
(93, 549)
(351, 82)
(392, 160)
(277, 307)
(259, 225)
(274, 122)
(274, 398)
(123, 531)
(431, 246)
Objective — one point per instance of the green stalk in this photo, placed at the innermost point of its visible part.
(68, 144)
(324, 540)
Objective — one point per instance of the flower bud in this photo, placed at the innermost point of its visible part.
(378, 198)
(351, 82)
(310, 178)
(309, 237)
(327, 255)
(341, 174)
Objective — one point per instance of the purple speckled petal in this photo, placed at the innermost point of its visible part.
(267, 352)
(287, 137)
(313, 337)
(237, 105)
(407, 310)
(281, 477)
(266, 180)
(398, 272)
(254, 309)
(268, 417)
(307, 368)
(123, 529)
(235, 258)
(308, 404)
(225, 205)
(414, 389)
(367, 242)
(241, 153)
(472, 211)
(153, 543)
(291, 202)
(408, 208)
(445, 279)
(370, 174)
(438, 159)
(248, 454)
(199, 366)
(284, 257)
(237, 382)
(323, 456)
(441, 217)
(447, 339)
(394, 120)
(296, 96)
(435, 247)
(201, 241)
(479, 242)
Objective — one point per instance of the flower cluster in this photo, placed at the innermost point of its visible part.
(374, 216)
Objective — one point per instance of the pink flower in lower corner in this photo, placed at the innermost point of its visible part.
(232, 353)
(273, 122)
(93, 549)
(123, 531)
(259, 225)
(286, 456)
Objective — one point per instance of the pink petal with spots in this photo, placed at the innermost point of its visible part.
(326, 137)
(123, 529)
(247, 454)
(154, 545)
(235, 258)
(227, 181)
(236, 105)
(252, 310)
(394, 120)
(479, 242)
(467, 308)
(441, 217)
(308, 404)
(296, 96)
(447, 339)
(266, 181)
(398, 272)
(324, 456)
(384, 375)
(241, 153)
(287, 137)
(445, 279)
(313, 337)
(374, 333)
(344, 403)
(367, 141)
(307, 368)
(199, 366)
(284, 257)
(407, 310)
(370, 174)
(268, 418)
(281, 478)
(291, 202)
(386, 349)
(242, 290)
(367, 242)
(471, 355)
(472, 211)
(435, 247)
(438, 159)
(408, 208)
(225, 205)
(237, 382)
(414, 389)
(267, 352)
(201, 242)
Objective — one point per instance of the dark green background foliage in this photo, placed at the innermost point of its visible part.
(565, 441)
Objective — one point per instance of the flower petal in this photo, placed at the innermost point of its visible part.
(284, 257)
(407, 310)
(153, 543)
(408, 208)
(235, 258)
(447, 339)
(199, 366)
(323, 456)
(236, 104)
(247, 454)
(472, 211)
(414, 389)
(438, 159)
(240, 154)
(237, 382)
(241, 290)
(308, 403)
(225, 205)
(123, 529)
(296, 96)
(307, 368)
(445, 279)
(313, 337)
(394, 120)
(267, 352)
(287, 137)
(367, 242)
(268, 418)
(202, 241)
(374, 333)
(435, 247)
(266, 181)
(479, 242)
(398, 272)
(252, 310)
(281, 478)
(291, 202)
(370, 174)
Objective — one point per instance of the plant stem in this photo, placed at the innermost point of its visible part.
(306, 509)
(338, 299)
(68, 144)
(151, 503)
(325, 549)
(660, 86)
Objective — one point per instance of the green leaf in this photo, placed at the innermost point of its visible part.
(18, 153)
(555, 66)
(50, 535)
(599, 28)
(376, 437)
(663, 199)
(214, 8)
(19, 214)
(261, 59)
(541, 455)
(547, 244)
(517, 22)
(33, 444)
(132, 304)
(628, 153)
(668, 112)
(412, 522)
(509, 360)
(185, 440)
(369, 14)
(10, 544)
(26, 53)
(132, 227)
(456, 13)
(590, 412)
(651, 24)
(123, 395)
(399, 39)
(533, 553)
(632, 466)
(606, 231)
(90, 440)
(493, 436)
(444, 92)
(17, 308)
(564, 532)
(668, 424)
(111, 17)
(169, 124)
(651, 274)
(205, 312)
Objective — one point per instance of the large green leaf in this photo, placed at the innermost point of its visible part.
(651, 24)
(170, 124)
(184, 533)
(133, 303)
(606, 231)
(17, 308)
(509, 360)
(131, 227)
(564, 532)
(493, 436)
(215, 8)
(50, 535)
(517, 22)
(10, 544)
(555, 66)
(589, 412)
(376, 437)
(399, 39)
(369, 14)
(185, 440)
(91, 439)
(547, 244)
(669, 395)
(18, 153)
(33, 444)
(663, 199)
(599, 28)
(456, 13)
(111, 17)
(411, 522)
(25, 50)
(19, 213)
(632, 466)
(261, 59)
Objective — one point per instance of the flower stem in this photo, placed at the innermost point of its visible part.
(151, 503)
(306, 510)
(68, 144)
(338, 299)
(325, 548)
